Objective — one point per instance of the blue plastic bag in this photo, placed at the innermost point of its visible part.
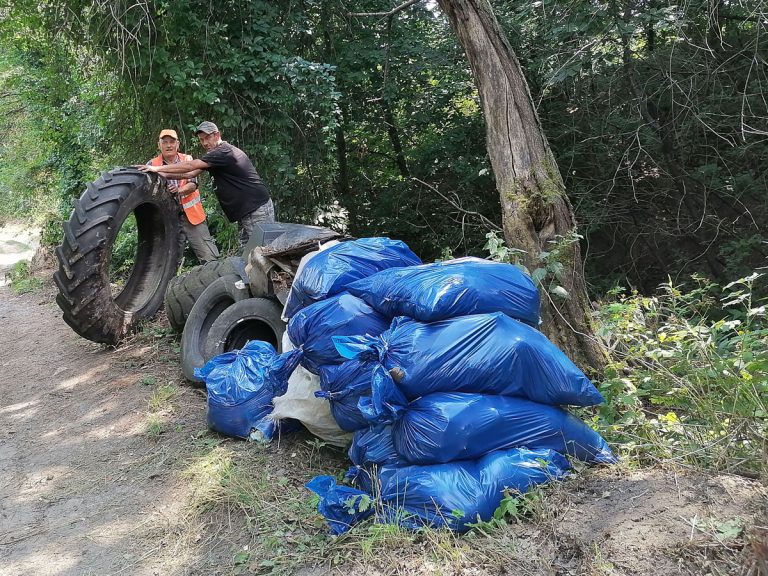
(343, 385)
(374, 447)
(340, 505)
(457, 494)
(483, 353)
(447, 426)
(453, 495)
(241, 386)
(312, 327)
(332, 270)
(442, 290)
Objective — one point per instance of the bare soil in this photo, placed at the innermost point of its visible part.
(87, 486)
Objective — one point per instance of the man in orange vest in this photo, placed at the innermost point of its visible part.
(242, 194)
(192, 215)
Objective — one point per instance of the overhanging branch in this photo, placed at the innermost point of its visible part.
(392, 12)
(456, 206)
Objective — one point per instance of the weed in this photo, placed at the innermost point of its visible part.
(161, 398)
(241, 557)
(720, 530)
(209, 474)
(513, 508)
(498, 251)
(148, 380)
(548, 275)
(21, 279)
(153, 331)
(378, 536)
(716, 546)
(155, 425)
(597, 565)
(316, 445)
(689, 377)
(124, 251)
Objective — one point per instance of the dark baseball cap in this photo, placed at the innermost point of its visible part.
(207, 127)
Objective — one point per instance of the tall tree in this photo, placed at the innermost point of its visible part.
(537, 215)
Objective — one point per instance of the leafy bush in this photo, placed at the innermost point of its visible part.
(689, 376)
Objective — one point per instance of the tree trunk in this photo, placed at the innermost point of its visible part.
(343, 188)
(394, 138)
(535, 209)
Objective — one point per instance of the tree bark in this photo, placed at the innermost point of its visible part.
(535, 209)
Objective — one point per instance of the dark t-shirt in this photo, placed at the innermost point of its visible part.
(235, 181)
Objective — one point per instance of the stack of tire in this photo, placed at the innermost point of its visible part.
(453, 394)
(212, 306)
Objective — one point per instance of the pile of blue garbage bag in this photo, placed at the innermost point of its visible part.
(454, 397)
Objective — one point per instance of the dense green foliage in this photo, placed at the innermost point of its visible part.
(689, 380)
(53, 113)
(657, 116)
(655, 113)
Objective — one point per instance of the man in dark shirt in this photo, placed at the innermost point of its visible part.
(242, 195)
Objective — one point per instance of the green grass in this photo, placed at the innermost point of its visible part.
(124, 252)
(160, 404)
(261, 488)
(161, 398)
(155, 425)
(148, 380)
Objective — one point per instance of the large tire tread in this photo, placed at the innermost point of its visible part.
(85, 294)
(183, 291)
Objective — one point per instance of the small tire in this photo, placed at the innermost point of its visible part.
(183, 291)
(251, 319)
(220, 295)
(85, 254)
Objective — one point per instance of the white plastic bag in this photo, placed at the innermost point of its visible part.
(299, 402)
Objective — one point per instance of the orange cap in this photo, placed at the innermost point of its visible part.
(168, 132)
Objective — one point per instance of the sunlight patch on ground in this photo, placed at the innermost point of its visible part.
(40, 486)
(17, 243)
(15, 408)
(85, 377)
(64, 563)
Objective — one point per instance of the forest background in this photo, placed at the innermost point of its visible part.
(656, 114)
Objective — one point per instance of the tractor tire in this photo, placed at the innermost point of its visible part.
(183, 291)
(85, 293)
(251, 319)
(220, 295)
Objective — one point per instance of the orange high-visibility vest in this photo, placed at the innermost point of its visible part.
(191, 203)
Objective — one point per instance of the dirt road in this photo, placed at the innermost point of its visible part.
(17, 243)
(82, 491)
(95, 449)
